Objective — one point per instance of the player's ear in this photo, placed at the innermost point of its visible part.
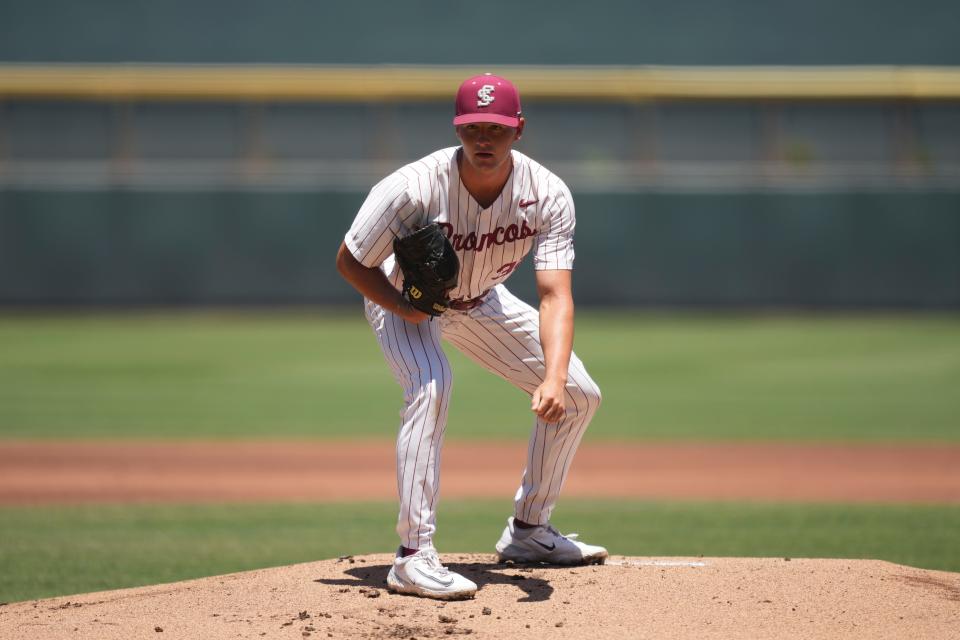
(523, 121)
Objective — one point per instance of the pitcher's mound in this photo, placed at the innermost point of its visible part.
(627, 598)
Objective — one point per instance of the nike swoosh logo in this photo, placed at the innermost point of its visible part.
(526, 203)
(443, 583)
(550, 548)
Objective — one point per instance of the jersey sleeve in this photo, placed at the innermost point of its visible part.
(553, 248)
(387, 212)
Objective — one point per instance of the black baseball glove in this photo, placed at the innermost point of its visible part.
(430, 268)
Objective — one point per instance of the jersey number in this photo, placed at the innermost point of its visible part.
(505, 270)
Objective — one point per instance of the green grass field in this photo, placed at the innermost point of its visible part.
(58, 551)
(320, 374)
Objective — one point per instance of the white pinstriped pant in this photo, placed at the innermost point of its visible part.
(502, 335)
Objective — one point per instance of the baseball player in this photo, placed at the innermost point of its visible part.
(495, 205)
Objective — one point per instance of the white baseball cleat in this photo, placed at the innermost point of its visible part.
(545, 544)
(422, 574)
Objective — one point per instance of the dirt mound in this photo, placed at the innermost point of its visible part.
(629, 597)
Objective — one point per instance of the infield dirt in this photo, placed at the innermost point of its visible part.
(93, 471)
(682, 598)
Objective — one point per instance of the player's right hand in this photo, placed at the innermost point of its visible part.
(548, 401)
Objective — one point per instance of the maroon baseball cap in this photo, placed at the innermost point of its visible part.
(488, 98)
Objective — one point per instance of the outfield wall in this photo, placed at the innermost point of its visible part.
(432, 32)
(898, 249)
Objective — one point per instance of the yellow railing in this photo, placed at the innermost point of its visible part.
(399, 83)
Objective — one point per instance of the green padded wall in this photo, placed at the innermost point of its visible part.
(842, 250)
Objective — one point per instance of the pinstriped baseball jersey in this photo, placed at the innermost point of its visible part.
(533, 212)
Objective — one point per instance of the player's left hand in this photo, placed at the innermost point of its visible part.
(548, 401)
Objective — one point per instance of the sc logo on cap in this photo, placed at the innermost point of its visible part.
(485, 99)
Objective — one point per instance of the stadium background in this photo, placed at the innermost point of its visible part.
(760, 158)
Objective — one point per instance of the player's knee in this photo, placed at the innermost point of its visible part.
(437, 387)
(595, 396)
(428, 390)
(588, 398)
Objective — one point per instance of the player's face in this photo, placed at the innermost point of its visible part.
(486, 145)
